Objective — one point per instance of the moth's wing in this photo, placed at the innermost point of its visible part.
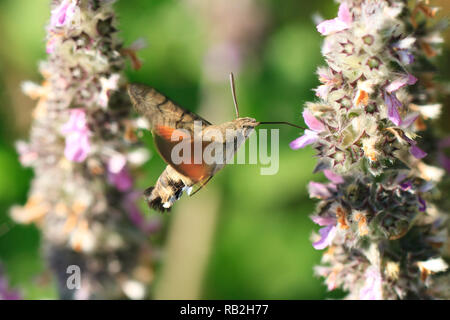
(188, 167)
(215, 151)
(160, 110)
(167, 118)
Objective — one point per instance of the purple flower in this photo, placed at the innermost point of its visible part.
(406, 57)
(400, 83)
(402, 48)
(118, 174)
(63, 14)
(372, 289)
(77, 146)
(391, 100)
(77, 136)
(333, 177)
(318, 190)
(414, 149)
(417, 152)
(310, 136)
(122, 180)
(393, 104)
(77, 121)
(327, 233)
(136, 215)
(342, 22)
(312, 121)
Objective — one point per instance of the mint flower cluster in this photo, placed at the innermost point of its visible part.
(384, 239)
(83, 147)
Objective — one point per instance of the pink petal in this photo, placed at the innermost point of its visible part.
(318, 190)
(417, 152)
(406, 57)
(401, 82)
(323, 221)
(59, 14)
(396, 84)
(322, 91)
(411, 79)
(344, 14)
(331, 26)
(63, 14)
(77, 121)
(77, 146)
(333, 177)
(323, 75)
(312, 121)
(342, 22)
(327, 235)
(392, 105)
(393, 115)
(308, 138)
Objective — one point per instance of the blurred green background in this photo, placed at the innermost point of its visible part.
(261, 247)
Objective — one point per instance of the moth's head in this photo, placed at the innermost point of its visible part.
(247, 125)
(138, 93)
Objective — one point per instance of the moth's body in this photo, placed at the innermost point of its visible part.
(166, 119)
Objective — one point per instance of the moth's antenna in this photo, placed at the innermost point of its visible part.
(283, 122)
(233, 92)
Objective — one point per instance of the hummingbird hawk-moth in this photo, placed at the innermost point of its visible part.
(168, 120)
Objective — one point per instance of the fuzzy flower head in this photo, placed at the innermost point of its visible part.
(82, 147)
(361, 95)
(362, 209)
(381, 234)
